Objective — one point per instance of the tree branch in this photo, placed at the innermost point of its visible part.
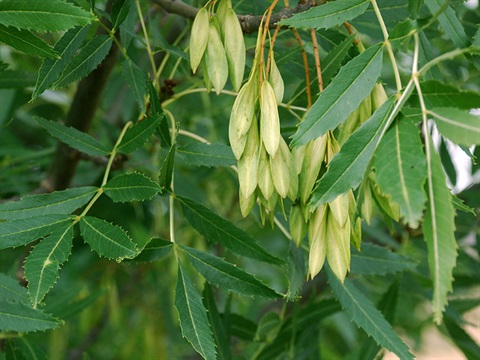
(249, 23)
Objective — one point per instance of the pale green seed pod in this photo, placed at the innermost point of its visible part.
(365, 110)
(386, 203)
(317, 235)
(356, 233)
(276, 79)
(234, 48)
(265, 180)
(339, 208)
(293, 190)
(248, 163)
(298, 226)
(247, 204)
(312, 162)
(379, 96)
(241, 118)
(338, 248)
(280, 165)
(367, 204)
(221, 12)
(206, 79)
(268, 204)
(349, 126)
(199, 38)
(298, 157)
(269, 119)
(216, 59)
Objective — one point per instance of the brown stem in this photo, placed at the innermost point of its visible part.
(249, 23)
(307, 68)
(316, 54)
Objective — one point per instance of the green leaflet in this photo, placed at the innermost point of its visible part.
(438, 94)
(401, 33)
(11, 290)
(201, 154)
(89, 57)
(58, 202)
(107, 239)
(139, 133)
(401, 170)
(457, 125)
(51, 69)
(156, 109)
(137, 82)
(378, 260)
(20, 317)
(219, 230)
(365, 315)
(25, 41)
(131, 187)
(222, 273)
(193, 316)
(23, 231)
(449, 22)
(74, 138)
(335, 58)
(44, 261)
(120, 11)
(347, 168)
(328, 15)
(220, 331)
(438, 228)
(16, 79)
(51, 15)
(155, 249)
(344, 94)
(166, 172)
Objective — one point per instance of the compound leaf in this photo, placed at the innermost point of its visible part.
(131, 187)
(222, 273)
(107, 239)
(219, 230)
(193, 316)
(344, 94)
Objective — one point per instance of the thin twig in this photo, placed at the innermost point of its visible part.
(307, 68)
(316, 54)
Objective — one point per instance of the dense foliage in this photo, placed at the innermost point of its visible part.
(283, 174)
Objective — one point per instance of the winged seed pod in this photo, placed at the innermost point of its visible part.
(339, 208)
(215, 58)
(247, 204)
(318, 237)
(199, 38)
(276, 79)
(280, 165)
(379, 96)
(338, 248)
(314, 156)
(269, 119)
(248, 163)
(234, 48)
(298, 226)
(265, 180)
(221, 12)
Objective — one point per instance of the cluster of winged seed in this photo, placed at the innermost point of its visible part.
(217, 39)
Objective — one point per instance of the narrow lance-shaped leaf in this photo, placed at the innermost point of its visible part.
(139, 133)
(222, 273)
(23, 231)
(344, 94)
(43, 263)
(347, 168)
(131, 187)
(328, 15)
(51, 69)
(137, 82)
(365, 315)
(155, 249)
(156, 108)
(401, 170)
(457, 125)
(166, 172)
(89, 57)
(439, 94)
(449, 22)
(26, 42)
(11, 290)
(193, 316)
(58, 202)
(20, 317)
(219, 230)
(202, 154)
(120, 10)
(378, 260)
(107, 239)
(333, 61)
(75, 138)
(439, 229)
(51, 15)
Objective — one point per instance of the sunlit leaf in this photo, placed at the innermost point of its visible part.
(344, 94)
(58, 202)
(193, 316)
(457, 125)
(401, 170)
(439, 228)
(131, 187)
